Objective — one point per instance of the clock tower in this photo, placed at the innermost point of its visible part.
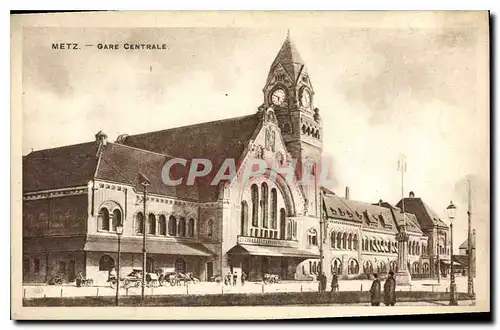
(288, 90)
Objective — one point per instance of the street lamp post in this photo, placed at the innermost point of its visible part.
(144, 183)
(119, 232)
(470, 283)
(451, 209)
(438, 261)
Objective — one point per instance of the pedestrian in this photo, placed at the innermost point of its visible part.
(375, 293)
(335, 282)
(235, 278)
(243, 278)
(390, 290)
(79, 279)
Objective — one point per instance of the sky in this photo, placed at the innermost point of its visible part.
(381, 92)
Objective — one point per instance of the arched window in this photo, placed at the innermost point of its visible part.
(172, 226)
(274, 208)
(104, 219)
(181, 230)
(180, 265)
(381, 268)
(149, 265)
(368, 267)
(332, 239)
(117, 219)
(349, 242)
(312, 237)
(336, 266)
(355, 242)
(191, 227)
(265, 205)
(415, 268)
(255, 205)
(106, 263)
(339, 240)
(244, 218)
(393, 266)
(426, 268)
(353, 267)
(162, 225)
(344, 241)
(151, 224)
(210, 228)
(139, 223)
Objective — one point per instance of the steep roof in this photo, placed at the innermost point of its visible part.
(384, 216)
(425, 215)
(75, 165)
(465, 244)
(120, 163)
(289, 58)
(216, 141)
(62, 167)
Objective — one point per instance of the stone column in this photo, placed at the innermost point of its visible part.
(402, 275)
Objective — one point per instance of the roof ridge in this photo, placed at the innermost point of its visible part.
(60, 147)
(194, 125)
(143, 150)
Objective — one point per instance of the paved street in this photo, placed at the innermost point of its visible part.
(70, 290)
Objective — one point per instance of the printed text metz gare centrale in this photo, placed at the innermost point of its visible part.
(102, 46)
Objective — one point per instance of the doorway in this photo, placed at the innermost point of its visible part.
(71, 271)
(284, 268)
(210, 270)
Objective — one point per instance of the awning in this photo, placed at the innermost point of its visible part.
(53, 244)
(272, 251)
(128, 245)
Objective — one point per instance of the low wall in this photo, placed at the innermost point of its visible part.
(266, 299)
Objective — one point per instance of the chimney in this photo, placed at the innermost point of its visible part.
(101, 138)
(347, 192)
(412, 194)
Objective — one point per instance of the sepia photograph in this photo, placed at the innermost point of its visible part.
(175, 165)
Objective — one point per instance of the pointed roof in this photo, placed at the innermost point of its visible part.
(62, 167)
(289, 58)
(465, 244)
(425, 215)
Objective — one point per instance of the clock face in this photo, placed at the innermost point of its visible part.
(278, 97)
(306, 98)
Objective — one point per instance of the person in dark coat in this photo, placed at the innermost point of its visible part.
(375, 292)
(390, 290)
(335, 282)
(322, 282)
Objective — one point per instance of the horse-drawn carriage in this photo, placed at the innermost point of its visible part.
(176, 279)
(134, 279)
(270, 278)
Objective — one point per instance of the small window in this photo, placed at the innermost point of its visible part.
(191, 227)
(162, 225)
(210, 228)
(151, 224)
(139, 223)
(104, 219)
(172, 226)
(312, 237)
